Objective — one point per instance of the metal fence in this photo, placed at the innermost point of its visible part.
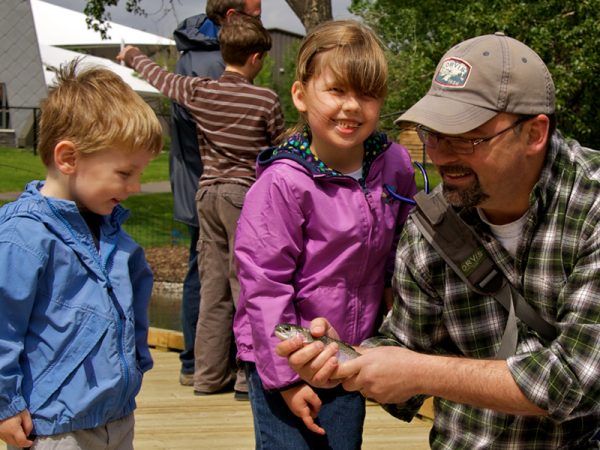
(27, 117)
(156, 230)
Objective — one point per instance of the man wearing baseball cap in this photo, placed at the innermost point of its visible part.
(533, 199)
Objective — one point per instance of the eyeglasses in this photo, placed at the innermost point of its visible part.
(463, 146)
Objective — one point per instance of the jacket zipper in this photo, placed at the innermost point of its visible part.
(117, 311)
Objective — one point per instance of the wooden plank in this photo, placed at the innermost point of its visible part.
(426, 410)
(165, 339)
(170, 416)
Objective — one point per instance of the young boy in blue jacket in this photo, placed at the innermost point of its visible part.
(74, 287)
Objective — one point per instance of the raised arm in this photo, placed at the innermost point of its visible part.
(177, 87)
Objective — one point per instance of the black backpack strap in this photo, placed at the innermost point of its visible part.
(456, 242)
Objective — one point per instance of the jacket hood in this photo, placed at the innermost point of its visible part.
(297, 148)
(197, 33)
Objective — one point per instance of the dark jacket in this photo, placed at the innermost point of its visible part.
(196, 40)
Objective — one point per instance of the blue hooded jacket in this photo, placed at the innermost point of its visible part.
(73, 319)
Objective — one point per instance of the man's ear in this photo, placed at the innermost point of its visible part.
(537, 133)
(230, 12)
(65, 157)
(298, 96)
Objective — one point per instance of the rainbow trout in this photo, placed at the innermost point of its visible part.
(288, 330)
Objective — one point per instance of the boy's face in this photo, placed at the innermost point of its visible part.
(103, 179)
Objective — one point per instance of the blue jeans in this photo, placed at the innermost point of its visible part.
(190, 304)
(342, 416)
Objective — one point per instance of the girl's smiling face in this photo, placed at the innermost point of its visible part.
(340, 119)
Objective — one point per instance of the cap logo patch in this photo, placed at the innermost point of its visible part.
(453, 73)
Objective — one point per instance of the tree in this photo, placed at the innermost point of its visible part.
(311, 12)
(565, 33)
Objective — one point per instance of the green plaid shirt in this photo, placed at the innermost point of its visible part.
(557, 270)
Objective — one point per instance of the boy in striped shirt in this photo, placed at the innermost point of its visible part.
(235, 120)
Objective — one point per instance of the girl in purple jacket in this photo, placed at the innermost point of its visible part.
(317, 234)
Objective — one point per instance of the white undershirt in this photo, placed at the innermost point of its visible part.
(357, 174)
(509, 234)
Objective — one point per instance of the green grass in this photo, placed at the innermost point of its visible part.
(151, 222)
(19, 166)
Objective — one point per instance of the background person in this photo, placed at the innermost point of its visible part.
(316, 234)
(532, 196)
(235, 120)
(74, 287)
(197, 41)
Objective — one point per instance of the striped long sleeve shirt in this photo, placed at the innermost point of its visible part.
(557, 270)
(235, 120)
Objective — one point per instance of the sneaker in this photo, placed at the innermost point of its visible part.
(186, 379)
(241, 396)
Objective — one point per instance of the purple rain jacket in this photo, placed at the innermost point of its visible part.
(312, 242)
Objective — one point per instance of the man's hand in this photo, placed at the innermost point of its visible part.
(304, 403)
(384, 374)
(315, 363)
(15, 429)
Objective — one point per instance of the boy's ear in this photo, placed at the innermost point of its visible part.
(65, 157)
(298, 96)
(256, 57)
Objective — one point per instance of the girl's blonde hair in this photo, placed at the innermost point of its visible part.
(351, 51)
(95, 109)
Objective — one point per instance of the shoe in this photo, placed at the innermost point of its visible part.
(186, 379)
(223, 390)
(241, 396)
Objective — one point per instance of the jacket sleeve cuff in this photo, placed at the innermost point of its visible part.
(12, 408)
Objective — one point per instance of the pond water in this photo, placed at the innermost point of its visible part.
(165, 305)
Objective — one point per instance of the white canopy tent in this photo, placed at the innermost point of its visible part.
(62, 27)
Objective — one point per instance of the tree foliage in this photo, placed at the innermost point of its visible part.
(565, 33)
(97, 17)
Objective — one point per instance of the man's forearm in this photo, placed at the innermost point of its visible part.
(482, 383)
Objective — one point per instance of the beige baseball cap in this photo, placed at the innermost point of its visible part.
(477, 79)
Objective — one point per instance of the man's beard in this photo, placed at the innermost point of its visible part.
(468, 197)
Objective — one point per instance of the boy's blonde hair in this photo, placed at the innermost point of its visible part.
(95, 109)
(352, 52)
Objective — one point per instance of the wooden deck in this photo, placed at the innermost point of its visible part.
(169, 417)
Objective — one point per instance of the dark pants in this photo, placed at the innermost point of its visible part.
(342, 416)
(190, 304)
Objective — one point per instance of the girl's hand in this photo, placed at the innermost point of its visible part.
(15, 429)
(315, 363)
(304, 403)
